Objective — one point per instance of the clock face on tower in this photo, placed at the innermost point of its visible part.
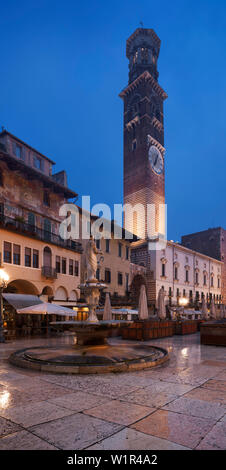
(155, 159)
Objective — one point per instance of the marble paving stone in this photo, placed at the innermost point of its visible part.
(215, 439)
(146, 397)
(78, 401)
(120, 412)
(24, 440)
(45, 391)
(6, 427)
(161, 373)
(130, 439)
(129, 379)
(175, 427)
(180, 376)
(94, 385)
(194, 407)
(201, 393)
(10, 397)
(216, 385)
(35, 413)
(77, 431)
(157, 387)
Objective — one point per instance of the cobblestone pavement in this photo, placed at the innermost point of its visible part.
(179, 405)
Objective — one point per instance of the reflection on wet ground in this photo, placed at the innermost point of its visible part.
(179, 405)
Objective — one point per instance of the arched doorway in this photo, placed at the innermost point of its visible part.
(61, 294)
(135, 286)
(73, 295)
(47, 290)
(17, 324)
(47, 294)
(20, 286)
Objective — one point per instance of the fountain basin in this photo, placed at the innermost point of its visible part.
(96, 359)
(90, 333)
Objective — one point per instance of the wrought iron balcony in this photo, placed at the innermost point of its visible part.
(32, 231)
(49, 272)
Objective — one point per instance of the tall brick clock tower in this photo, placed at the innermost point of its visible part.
(144, 152)
(144, 169)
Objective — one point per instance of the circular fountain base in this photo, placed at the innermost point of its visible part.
(92, 359)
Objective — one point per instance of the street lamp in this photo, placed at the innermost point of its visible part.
(183, 301)
(4, 278)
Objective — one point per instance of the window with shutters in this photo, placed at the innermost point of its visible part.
(27, 257)
(7, 252)
(16, 254)
(18, 151)
(108, 276)
(46, 198)
(120, 249)
(120, 279)
(107, 241)
(58, 264)
(35, 259)
(71, 267)
(64, 265)
(76, 268)
(31, 219)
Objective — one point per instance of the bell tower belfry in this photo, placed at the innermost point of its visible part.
(144, 160)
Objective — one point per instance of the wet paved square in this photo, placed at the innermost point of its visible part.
(179, 405)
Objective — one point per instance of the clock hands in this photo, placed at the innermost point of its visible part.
(156, 159)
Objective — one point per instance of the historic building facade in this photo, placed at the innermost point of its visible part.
(187, 273)
(144, 185)
(211, 242)
(36, 259)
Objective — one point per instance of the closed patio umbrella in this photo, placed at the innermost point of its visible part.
(143, 306)
(205, 313)
(107, 308)
(212, 308)
(161, 304)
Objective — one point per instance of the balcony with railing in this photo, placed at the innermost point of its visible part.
(32, 231)
(49, 272)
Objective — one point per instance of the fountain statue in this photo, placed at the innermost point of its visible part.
(91, 259)
(92, 287)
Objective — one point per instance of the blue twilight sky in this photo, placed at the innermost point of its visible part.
(62, 67)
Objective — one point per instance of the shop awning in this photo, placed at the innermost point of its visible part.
(21, 300)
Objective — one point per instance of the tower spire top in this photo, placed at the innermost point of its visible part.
(142, 50)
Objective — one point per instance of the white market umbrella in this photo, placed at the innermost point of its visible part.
(107, 308)
(46, 308)
(143, 305)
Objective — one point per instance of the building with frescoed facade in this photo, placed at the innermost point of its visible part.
(38, 261)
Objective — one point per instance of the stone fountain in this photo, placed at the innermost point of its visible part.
(90, 353)
(91, 331)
